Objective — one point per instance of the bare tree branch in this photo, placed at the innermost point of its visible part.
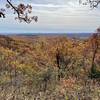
(2, 14)
(92, 3)
(20, 10)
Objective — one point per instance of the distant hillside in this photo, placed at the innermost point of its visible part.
(70, 35)
(79, 35)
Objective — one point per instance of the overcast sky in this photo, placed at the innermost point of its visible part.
(55, 16)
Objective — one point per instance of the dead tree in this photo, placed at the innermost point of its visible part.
(59, 61)
(94, 46)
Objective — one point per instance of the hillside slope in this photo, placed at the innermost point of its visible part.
(53, 68)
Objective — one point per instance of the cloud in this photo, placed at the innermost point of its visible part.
(55, 15)
(49, 5)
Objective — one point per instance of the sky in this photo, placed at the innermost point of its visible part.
(54, 16)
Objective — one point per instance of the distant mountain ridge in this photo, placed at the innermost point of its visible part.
(70, 35)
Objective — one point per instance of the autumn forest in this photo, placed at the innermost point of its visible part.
(49, 68)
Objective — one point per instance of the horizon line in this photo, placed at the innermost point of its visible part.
(12, 33)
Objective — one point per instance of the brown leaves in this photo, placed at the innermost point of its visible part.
(21, 8)
(23, 12)
(94, 40)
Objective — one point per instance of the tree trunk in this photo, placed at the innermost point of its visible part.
(92, 65)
